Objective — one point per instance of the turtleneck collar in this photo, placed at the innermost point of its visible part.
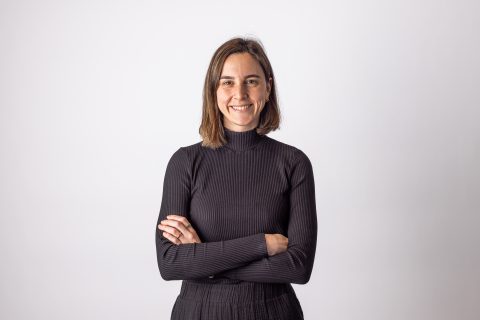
(240, 141)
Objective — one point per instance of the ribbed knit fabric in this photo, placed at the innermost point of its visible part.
(242, 301)
(233, 196)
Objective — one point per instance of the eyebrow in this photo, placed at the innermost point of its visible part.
(248, 76)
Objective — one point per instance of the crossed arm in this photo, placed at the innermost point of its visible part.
(244, 258)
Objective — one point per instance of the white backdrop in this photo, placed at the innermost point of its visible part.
(383, 96)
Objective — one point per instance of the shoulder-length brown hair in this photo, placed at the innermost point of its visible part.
(211, 128)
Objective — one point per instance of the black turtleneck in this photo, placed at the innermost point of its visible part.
(233, 196)
(241, 141)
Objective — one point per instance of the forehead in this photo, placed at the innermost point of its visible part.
(241, 64)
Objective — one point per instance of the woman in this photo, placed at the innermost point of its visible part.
(238, 220)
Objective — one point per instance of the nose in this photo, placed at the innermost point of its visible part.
(240, 92)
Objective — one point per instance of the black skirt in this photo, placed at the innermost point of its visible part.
(226, 299)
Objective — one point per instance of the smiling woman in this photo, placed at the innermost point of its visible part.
(242, 92)
(238, 219)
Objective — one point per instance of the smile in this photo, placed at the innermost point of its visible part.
(242, 107)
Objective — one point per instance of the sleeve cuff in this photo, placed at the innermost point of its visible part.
(262, 244)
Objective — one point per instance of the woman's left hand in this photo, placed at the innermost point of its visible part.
(178, 230)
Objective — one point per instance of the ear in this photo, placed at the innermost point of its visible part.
(269, 86)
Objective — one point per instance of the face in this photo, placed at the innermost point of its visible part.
(242, 92)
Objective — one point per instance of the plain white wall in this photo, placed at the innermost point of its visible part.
(383, 96)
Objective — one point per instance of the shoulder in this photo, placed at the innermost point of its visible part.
(297, 164)
(187, 154)
(194, 151)
(290, 153)
(180, 162)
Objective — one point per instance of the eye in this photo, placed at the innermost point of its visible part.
(252, 81)
(226, 82)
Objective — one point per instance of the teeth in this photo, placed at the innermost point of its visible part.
(239, 108)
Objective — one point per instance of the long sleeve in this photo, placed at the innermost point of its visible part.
(197, 260)
(294, 265)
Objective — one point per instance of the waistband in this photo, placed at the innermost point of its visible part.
(232, 291)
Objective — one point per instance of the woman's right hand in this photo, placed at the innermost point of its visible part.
(276, 243)
(178, 230)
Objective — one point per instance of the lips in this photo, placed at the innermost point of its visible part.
(241, 107)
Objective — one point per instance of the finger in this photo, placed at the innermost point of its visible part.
(171, 238)
(173, 231)
(185, 235)
(189, 234)
(181, 219)
(180, 239)
(178, 225)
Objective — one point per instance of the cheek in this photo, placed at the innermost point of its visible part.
(221, 98)
(222, 103)
(259, 94)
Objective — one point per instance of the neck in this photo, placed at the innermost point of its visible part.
(242, 140)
